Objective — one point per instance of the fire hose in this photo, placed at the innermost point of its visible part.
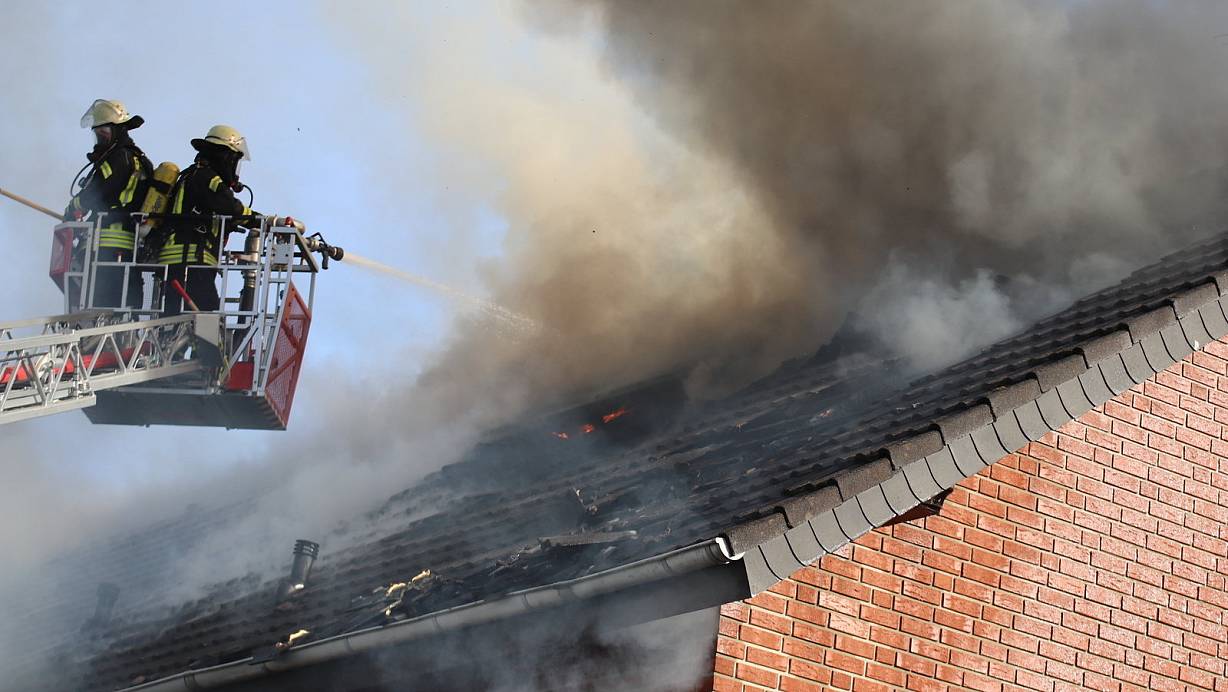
(314, 243)
(33, 205)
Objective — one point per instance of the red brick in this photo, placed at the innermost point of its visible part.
(915, 664)
(1034, 681)
(767, 659)
(801, 650)
(758, 676)
(760, 637)
(738, 611)
(788, 684)
(864, 685)
(856, 647)
(776, 623)
(770, 601)
(730, 647)
(885, 673)
(812, 633)
(845, 662)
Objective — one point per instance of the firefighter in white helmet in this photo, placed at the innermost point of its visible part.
(115, 186)
(204, 189)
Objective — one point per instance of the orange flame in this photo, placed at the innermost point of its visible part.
(588, 428)
(560, 435)
(615, 414)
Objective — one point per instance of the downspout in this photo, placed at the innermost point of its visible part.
(677, 563)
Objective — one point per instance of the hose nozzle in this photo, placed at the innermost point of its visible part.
(316, 243)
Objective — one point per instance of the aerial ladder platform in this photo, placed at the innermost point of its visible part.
(236, 367)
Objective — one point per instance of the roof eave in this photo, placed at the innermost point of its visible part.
(661, 568)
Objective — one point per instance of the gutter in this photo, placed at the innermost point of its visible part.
(677, 563)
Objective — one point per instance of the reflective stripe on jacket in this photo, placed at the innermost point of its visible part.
(118, 237)
(199, 191)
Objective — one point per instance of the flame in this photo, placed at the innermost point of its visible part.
(561, 435)
(622, 411)
(588, 428)
(825, 414)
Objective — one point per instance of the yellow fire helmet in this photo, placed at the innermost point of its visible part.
(108, 112)
(226, 136)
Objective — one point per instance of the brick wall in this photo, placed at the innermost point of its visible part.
(1096, 558)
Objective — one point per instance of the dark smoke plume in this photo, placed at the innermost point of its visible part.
(904, 150)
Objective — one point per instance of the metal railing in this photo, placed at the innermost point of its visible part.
(66, 360)
(57, 363)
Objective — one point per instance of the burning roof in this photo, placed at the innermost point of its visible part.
(792, 450)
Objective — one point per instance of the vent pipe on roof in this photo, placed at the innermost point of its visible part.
(305, 553)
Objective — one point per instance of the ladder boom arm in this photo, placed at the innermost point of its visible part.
(64, 362)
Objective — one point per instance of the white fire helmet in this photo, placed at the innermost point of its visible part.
(226, 136)
(108, 112)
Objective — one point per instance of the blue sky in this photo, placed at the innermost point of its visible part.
(330, 144)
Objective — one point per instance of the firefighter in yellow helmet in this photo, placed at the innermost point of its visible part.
(204, 189)
(115, 186)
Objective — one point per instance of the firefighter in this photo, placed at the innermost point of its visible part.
(204, 189)
(115, 186)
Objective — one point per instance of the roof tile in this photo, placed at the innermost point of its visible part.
(759, 574)
(865, 476)
(1050, 374)
(988, 446)
(1003, 399)
(1175, 342)
(780, 558)
(913, 448)
(963, 422)
(827, 531)
(874, 506)
(1073, 399)
(1136, 363)
(1213, 319)
(942, 466)
(1031, 422)
(963, 451)
(1115, 375)
(898, 494)
(803, 543)
(746, 535)
(1009, 433)
(852, 520)
(1158, 357)
(1150, 322)
(799, 509)
(1052, 410)
(1094, 387)
(1188, 301)
(1105, 345)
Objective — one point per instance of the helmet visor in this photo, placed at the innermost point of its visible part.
(103, 112)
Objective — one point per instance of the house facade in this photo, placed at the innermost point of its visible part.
(1095, 558)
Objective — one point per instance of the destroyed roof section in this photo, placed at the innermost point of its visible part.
(634, 488)
(742, 467)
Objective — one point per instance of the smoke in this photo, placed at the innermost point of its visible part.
(1018, 138)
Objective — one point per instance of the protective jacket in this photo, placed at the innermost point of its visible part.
(116, 185)
(199, 191)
